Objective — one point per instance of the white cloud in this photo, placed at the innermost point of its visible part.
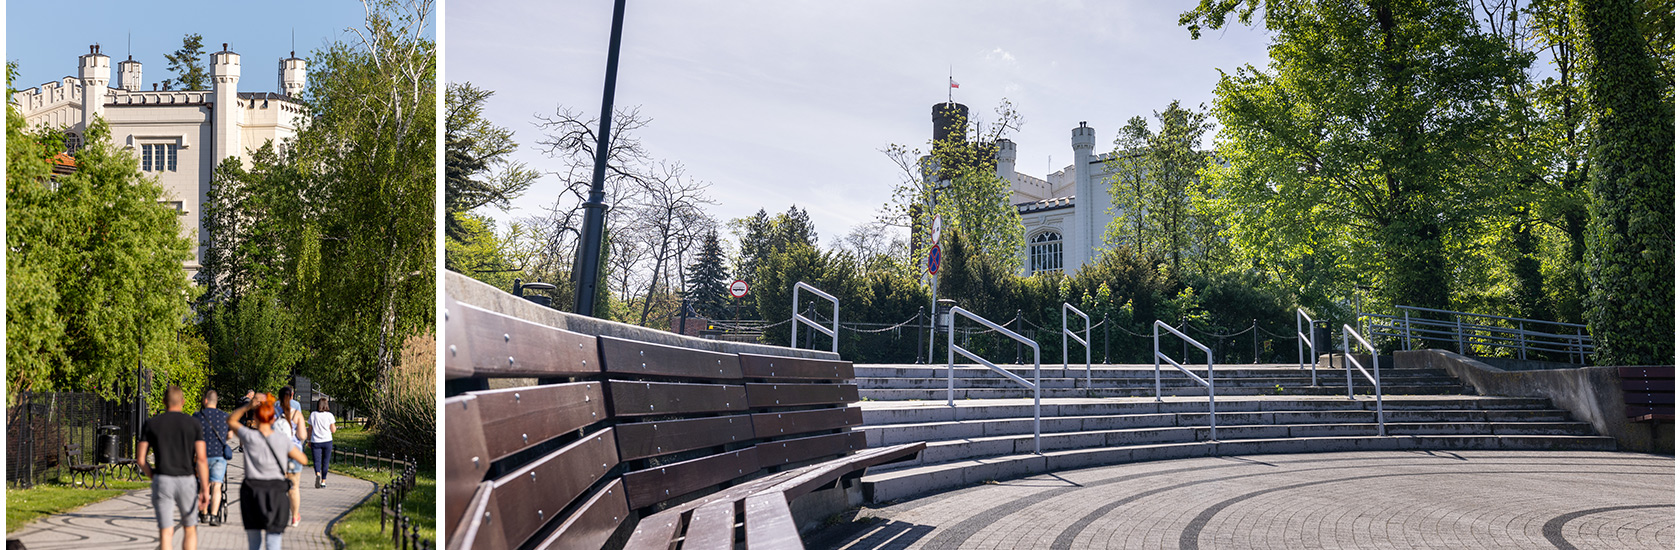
(999, 54)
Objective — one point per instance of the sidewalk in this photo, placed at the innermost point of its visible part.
(127, 522)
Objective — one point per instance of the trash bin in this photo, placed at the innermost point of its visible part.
(1321, 336)
(108, 444)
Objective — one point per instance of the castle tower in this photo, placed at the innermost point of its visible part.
(1084, 236)
(224, 70)
(94, 70)
(1006, 160)
(293, 76)
(128, 75)
(950, 122)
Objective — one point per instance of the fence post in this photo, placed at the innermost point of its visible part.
(1459, 333)
(919, 330)
(1255, 326)
(1522, 342)
(1105, 340)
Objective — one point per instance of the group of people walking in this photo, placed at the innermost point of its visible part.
(192, 454)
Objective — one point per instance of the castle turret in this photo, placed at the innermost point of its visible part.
(94, 70)
(1085, 205)
(224, 72)
(1006, 160)
(293, 76)
(950, 122)
(128, 75)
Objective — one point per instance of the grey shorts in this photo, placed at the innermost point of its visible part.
(171, 493)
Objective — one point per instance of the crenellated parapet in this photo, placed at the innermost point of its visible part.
(52, 94)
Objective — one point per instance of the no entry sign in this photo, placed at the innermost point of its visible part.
(738, 288)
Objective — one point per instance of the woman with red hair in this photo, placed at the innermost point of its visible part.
(263, 502)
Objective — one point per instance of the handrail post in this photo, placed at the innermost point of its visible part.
(1213, 416)
(1038, 381)
(1408, 314)
(1086, 341)
(1157, 363)
(833, 333)
(1522, 342)
(951, 364)
(1459, 333)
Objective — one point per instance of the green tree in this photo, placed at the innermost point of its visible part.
(479, 169)
(961, 172)
(1363, 141)
(366, 265)
(1630, 249)
(94, 261)
(188, 65)
(707, 287)
(1154, 180)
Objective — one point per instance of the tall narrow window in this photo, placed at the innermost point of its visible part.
(1045, 253)
(158, 157)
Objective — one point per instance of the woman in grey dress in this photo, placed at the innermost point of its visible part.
(263, 503)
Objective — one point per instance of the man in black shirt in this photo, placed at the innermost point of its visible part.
(178, 442)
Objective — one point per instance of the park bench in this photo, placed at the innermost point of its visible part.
(80, 470)
(639, 443)
(1649, 393)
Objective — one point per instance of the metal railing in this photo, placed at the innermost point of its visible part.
(1086, 341)
(1310, 341)
(1376, 366)
(833, 333)
(951, 367)
(1213, 422)
(1478, 330)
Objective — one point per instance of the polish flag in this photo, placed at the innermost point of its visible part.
(954, 84)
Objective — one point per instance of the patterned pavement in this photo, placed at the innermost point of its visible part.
(1377, 500)
(126, 522)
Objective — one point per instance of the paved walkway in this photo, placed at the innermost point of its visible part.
(126, 522)
(1468, 499)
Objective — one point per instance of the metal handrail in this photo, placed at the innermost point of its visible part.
(1213, 422)
(1310, 341)
(833, 333)
(951, 366)
(1522, 339)
(1376, 365)
(1086, 341)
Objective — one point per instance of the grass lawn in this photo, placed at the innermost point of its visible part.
(360, 528)
(53, 496)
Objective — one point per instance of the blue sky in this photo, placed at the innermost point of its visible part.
(779, 102)
(44, 38)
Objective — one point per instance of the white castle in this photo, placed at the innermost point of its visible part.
(1065, 213)
(178, 135)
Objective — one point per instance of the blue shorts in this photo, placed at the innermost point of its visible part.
(293, 466)
(218, 469)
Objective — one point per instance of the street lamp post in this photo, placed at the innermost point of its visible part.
(595, 209)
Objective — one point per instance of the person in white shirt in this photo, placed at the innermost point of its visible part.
(322, 424)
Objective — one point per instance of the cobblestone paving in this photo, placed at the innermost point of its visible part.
(1377, 500)
(126, 522)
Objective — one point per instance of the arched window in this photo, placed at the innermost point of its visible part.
(1045, 252)
(72, 142)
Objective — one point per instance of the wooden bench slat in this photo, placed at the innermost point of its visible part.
(1650, 398)
(772, 424)
(821, 474)
(529, 497)
(1648, 385)
(787, 395)
(656, 532)
(1642, 410)
(593, 523)
(711, 526)
(770, 366)
(635, 358)
(516, 419)
(645, 439)
(731, 494)
(466, 461)
(1645, 372)
(770, 523)
(660, 483)
(457, 351)
(670, 398)
(504, 347)
(788, 451)
(476, 530)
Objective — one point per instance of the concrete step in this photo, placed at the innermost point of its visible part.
(920, 480)
(1167, 380)
(951, 450)
(939, 394)
(893, 434)
(908, 412)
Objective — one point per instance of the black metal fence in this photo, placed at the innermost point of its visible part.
(404, 530)
(43, 428)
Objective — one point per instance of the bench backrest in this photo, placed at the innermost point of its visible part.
(1648, 391)
(617, 428)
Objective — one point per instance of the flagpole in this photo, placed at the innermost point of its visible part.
(950, 76)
